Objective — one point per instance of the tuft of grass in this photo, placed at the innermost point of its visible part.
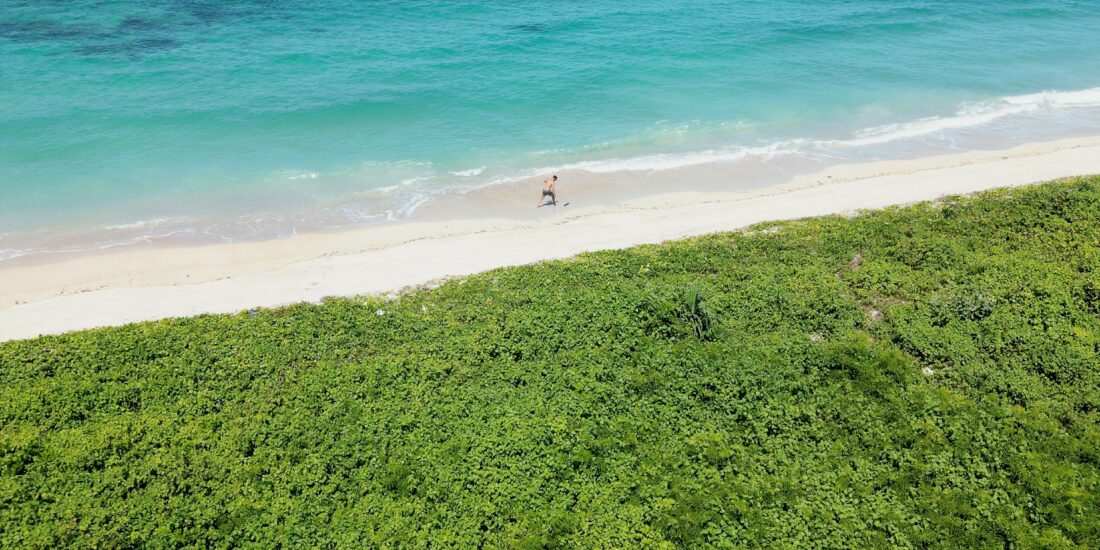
(693, 311)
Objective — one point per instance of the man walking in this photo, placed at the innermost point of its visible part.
(549, 189)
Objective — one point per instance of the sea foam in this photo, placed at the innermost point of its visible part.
(468, 173)
(968, 115)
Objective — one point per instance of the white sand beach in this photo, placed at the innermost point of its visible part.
(112, 288)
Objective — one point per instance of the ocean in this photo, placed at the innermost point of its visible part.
(126, 122)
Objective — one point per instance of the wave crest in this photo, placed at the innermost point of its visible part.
(966, 116)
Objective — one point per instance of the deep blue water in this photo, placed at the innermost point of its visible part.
(238, 119)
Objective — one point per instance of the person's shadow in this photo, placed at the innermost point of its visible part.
(551, 203)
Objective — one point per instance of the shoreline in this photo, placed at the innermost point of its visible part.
(119, 287)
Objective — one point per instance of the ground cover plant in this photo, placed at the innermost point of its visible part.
(925, 376)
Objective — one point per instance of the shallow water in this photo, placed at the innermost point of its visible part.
(181, 120)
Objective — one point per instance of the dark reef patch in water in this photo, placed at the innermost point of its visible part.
(139, 24)
(131, 48)
(206, 12)
(44, 30)
(213, 11)
(529, 27)
(92, 40)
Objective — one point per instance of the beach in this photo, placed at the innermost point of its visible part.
(810, 274)
(140, 284)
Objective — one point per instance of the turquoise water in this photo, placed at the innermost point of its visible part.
(123, 121)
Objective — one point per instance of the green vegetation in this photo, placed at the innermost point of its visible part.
(917, 377)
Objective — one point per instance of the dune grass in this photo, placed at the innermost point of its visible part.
(925, 376)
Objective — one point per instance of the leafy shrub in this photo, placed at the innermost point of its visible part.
(574, 404)
(1092, 295)
(967, 304)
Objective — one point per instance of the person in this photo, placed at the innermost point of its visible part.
(549, 189)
